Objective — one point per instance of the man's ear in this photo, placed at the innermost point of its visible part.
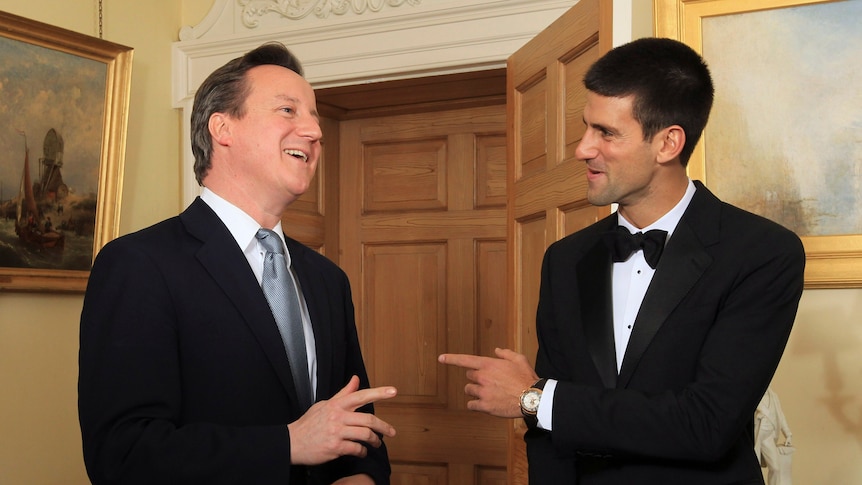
(219, 127)
(670, 142)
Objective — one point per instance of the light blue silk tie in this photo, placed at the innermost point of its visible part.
(283, 299)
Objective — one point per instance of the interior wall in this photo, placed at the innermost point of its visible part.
(819, 380)
(39, 434)
(819, 385)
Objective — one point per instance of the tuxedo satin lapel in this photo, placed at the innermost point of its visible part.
(228, 266)
(596, 293)
(682, 264)
(317, 301)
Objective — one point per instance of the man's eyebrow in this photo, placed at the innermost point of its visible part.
(285, 97)
(597, 126)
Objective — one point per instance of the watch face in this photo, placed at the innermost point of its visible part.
(530, 401)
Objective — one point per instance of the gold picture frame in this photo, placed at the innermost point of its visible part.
(63, 114)
(833, 261)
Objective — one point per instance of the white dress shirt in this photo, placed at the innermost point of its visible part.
(244, 230)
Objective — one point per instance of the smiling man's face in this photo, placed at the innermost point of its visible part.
(275, 145)
(620, 163)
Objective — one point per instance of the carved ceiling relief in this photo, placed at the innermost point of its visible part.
(252, 10)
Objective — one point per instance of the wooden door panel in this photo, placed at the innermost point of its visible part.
(419, 475)
(490, 171)
(405, 175)
(532, 104)
(442, 475)
(530, 239)
(547, 184)
(405, 316)
(424, 244)
(491, 476)
(441, 435)
(490, 325)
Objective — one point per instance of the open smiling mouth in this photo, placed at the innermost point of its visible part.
(297, 154)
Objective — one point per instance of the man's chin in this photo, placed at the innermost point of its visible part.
(597, 199)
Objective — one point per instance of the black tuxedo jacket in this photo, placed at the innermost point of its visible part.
(707, 339)
(183, 375)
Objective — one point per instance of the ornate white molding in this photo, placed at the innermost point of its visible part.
(299, 9)
(428, 37)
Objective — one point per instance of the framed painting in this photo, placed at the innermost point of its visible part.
(64, 100)
(783, 137)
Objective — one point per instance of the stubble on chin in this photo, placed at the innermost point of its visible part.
(598, 197)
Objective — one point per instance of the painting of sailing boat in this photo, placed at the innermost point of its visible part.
(35, 204)
(62, 135)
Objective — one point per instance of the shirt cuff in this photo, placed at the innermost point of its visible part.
(545, 414)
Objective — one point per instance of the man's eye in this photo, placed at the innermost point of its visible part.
(287, 110)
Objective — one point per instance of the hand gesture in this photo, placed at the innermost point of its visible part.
(496, 384)
(334, 428)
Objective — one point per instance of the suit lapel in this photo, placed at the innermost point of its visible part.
(225, 262)
(593, 273)
(682, 264)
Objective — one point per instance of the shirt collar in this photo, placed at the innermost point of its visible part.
(669, 221)
(242, 226)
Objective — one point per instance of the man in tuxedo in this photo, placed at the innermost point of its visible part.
(654, 347)
(184, 373)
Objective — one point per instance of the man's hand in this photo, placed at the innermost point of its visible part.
(334, 428)
(496, 384)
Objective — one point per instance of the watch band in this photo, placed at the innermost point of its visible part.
(540, 384)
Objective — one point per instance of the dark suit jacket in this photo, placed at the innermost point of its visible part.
(705, 344)
(183, 375)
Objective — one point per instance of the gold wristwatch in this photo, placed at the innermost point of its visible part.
(529, 402)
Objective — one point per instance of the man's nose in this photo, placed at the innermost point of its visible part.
(586, 148)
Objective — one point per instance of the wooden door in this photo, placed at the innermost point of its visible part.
(546, 184)
(423, 240)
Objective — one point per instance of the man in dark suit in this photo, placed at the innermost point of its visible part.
(184, 377)
(651, 362)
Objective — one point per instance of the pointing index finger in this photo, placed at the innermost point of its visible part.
(462, 360)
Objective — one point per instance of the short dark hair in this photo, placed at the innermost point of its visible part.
(225, 91)
(670, 82)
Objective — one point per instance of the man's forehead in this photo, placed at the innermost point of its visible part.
(601, 106)
(276, 81)
(279, 76)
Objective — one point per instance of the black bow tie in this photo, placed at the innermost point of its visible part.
(622, 244)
